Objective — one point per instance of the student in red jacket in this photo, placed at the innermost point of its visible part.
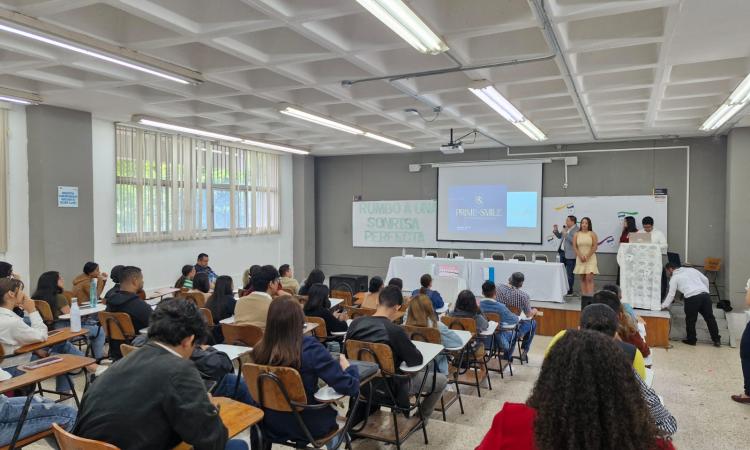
(586, 396)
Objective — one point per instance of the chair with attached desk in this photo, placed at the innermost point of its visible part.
(69, 441)
(378, 425)
(432, 335)
(281, 389)
(196, 297)
(321, 332)
(345, 295)
(469, 356)
(117, 326)
(45, 311)
(498, 349)
(354, 312)
(246, 335)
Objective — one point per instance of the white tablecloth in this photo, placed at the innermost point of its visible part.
(544, 281)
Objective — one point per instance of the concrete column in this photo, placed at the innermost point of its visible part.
(737, 251)
(59, 153)
(303, 169)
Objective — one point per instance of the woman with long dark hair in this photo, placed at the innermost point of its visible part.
(628, 226)
(221, 304)
(319, 305)
(587, 396)
(316, 276)
(49, 288)
(467, 307)
(585, 243)
(284, 345)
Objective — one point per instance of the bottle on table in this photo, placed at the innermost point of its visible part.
(75, 317)
(92, 293)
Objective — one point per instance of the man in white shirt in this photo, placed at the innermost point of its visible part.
(694, 287)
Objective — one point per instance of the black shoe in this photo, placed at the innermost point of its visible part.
(685, 341)
(717, 343)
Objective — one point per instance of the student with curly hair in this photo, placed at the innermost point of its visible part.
(607, 411)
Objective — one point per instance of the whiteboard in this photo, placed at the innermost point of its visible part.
(411, 223)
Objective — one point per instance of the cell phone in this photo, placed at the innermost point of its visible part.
(42, 362)
(210, 385)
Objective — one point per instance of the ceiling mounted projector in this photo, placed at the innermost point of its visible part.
(452, 147)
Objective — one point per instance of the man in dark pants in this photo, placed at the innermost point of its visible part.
(566, 250)
(694, 287)
(745, 355)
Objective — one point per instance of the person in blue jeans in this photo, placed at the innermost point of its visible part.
(526, 328)
(50, 289)
(42, 413)
(426, 282)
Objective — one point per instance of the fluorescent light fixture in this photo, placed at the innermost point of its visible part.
(495, 100)
(320, 120)
(208, 134)
(737, 100)
(281, 148)
(19, 97)
(388, 140)
(402, 20)
(32, 28)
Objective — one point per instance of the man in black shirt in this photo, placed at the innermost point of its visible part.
(380, 329)
(155, 397)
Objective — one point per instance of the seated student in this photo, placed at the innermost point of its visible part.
(602, 318)
(201, 283)
(165, 401)
(82, 283)
(201, 266)
(248, 284)
(6, 270)
(114, 275)
(379, 328)
(421, 314)
(186, 279)
(288, 283)
(43, 412)
(512, 296)
(577, 403)
(398, 282)
(373, 291)
(49, 288)
(319, 305)
(466, 307)
(631, 325)
(625, 330)
(426, 282)
(15, 333)
(315, 276)
(526, 328)
(221, 304)
(127, 300)
(253, 309)
(281, 346)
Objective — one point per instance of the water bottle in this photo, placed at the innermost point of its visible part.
(92, 293)
(75, 317)
(557, 257)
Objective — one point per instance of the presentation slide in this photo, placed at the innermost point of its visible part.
(490, 203)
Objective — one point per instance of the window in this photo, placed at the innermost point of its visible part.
(173, 187)
(3, 179)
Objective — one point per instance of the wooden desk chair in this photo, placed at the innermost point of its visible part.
(247, 335)
(393, 428)
(359, 297)
(197, 297)
(117, 326)
(712, 267)
(208, 316)
(496, 361)
(281, 389)
(320, 331)
(475, 358)
(345, 295)
(68, 441)
(126, 349)
(358, 312)
(45, 311)
(432, 335)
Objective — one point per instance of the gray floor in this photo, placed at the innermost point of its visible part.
(695, 382)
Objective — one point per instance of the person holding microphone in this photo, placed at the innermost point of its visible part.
(566, 250)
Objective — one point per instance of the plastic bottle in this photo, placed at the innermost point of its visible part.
(93, 300)
(557, 257)
(75, 317)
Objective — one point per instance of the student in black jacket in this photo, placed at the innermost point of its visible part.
(379, 328)
(127, 300)
(319, 305)
(155, 397)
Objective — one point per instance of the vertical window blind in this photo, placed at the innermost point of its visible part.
(174, 187)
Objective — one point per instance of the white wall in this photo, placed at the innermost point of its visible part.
(161, 261)
(18, 194)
